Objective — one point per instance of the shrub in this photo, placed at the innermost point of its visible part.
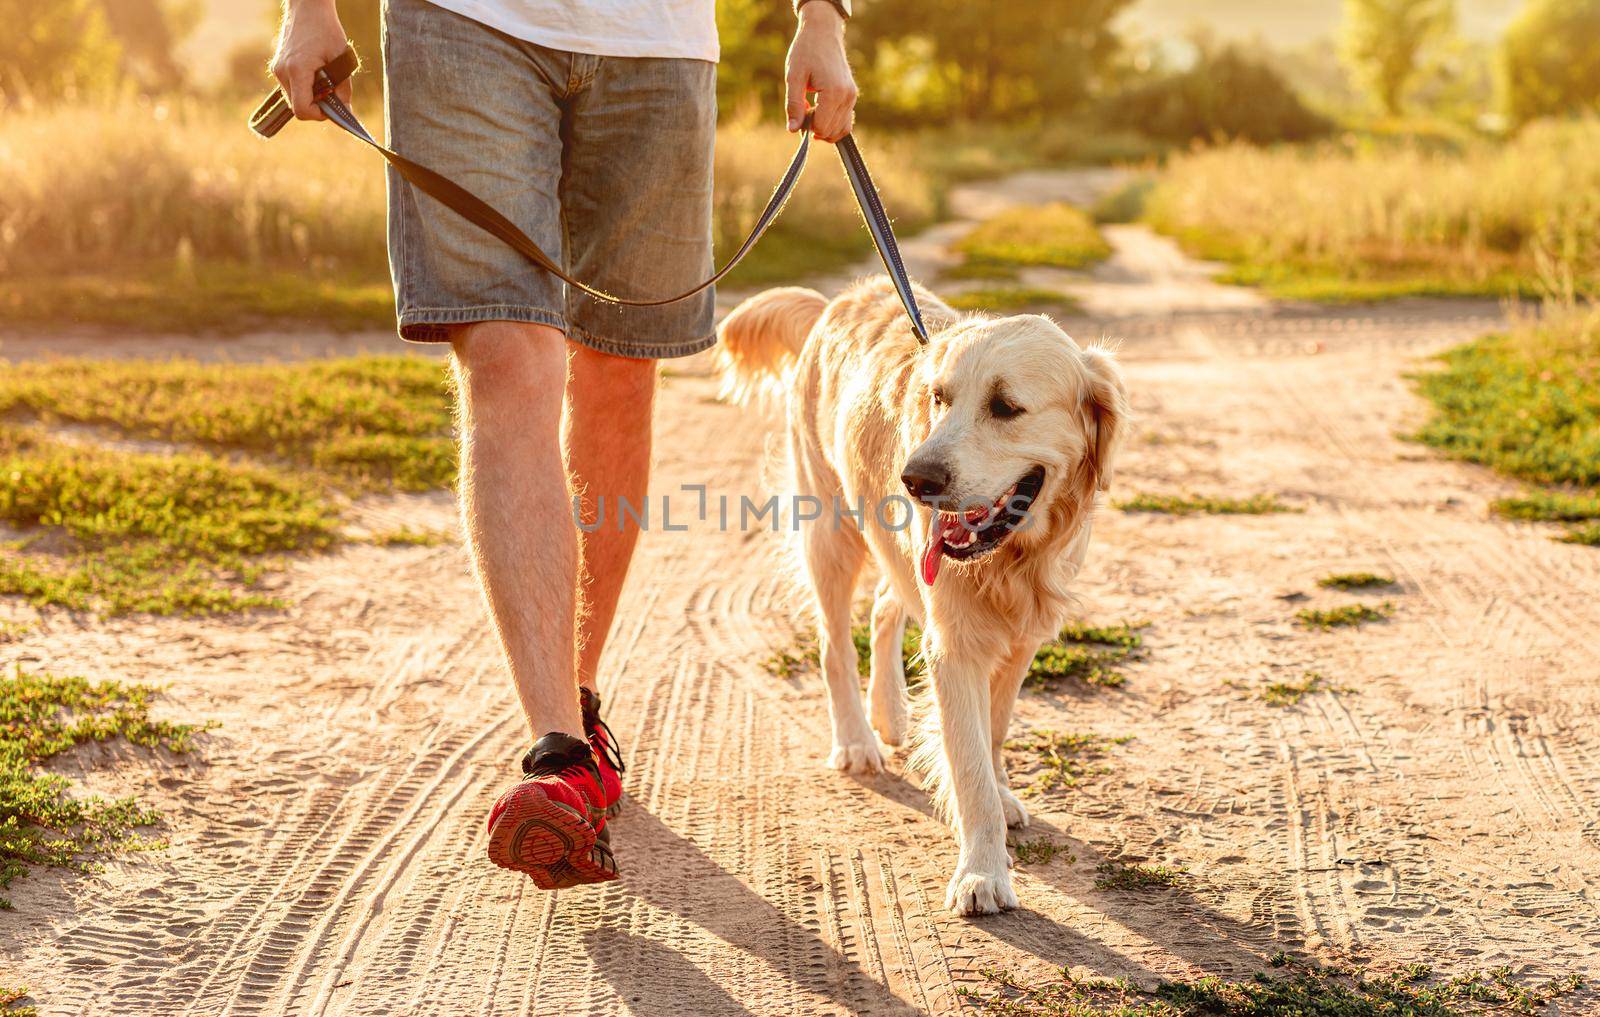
(1225, 95)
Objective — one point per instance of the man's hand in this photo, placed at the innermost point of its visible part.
(817, 64)
(311, 36)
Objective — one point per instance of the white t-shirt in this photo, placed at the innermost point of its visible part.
(627, 28)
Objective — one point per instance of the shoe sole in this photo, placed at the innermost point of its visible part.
(550, 842)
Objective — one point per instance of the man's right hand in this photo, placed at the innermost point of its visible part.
(311, 36)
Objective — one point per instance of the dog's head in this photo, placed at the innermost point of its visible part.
(1024, 427)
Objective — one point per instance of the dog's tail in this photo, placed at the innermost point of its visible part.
(761, 338)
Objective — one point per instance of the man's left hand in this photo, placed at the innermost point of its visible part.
(817, 63)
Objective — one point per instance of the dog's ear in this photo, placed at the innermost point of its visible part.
(1106, 409)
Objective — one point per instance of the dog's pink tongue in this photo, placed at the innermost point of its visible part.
(935, 552)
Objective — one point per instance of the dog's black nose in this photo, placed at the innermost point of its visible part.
(925, 481)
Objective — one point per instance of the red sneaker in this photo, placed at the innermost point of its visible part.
(606, 752)
(552, 824)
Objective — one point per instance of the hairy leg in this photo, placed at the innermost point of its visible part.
(607, 439)
(516, 508)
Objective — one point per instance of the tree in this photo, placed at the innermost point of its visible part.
(1549, 61)
(53, 49)
(1226, 94)
(997, 59)
(1383, 43)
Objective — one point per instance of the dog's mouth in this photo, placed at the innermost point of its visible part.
(972, 534)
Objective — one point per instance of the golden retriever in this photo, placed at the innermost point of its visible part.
(992, 440)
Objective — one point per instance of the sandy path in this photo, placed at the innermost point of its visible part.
(327, 854)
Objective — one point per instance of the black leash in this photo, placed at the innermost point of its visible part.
(275, 113)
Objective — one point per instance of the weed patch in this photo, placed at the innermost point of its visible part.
(1057, 235)
(1588, 536)
(1343, 616)
(1086, 653)
(1188, 505)
(1550, 506)
(1355, 581)
(1117, 876)
(41, 716)
(405, 536)
(1064, 760)
(1038, 851)
(1290, 693)
(1309, 990)
(14, 1002)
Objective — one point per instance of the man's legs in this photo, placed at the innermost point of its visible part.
(517, 507)
(607, 440)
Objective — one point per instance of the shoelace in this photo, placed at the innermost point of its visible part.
(593, 725)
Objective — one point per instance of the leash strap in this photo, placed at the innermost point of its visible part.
(274, 114)
(855, 168)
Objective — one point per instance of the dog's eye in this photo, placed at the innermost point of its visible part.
(1000, 407)
(939, 399)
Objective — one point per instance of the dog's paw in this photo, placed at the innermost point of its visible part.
(890, 719)
(1016, 813)
(856, 757)
(980, 893)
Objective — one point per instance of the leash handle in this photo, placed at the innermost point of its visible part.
(273, 114)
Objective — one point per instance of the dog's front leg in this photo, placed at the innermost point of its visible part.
(888, 710)
(982, 881)
(1003, 688)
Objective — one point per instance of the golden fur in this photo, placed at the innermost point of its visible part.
(859, 395)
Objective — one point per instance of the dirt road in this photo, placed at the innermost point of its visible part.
(327, 855)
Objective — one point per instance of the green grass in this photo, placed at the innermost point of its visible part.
(1002, 299)
(1289, 693)
(1293, 990)
(1063, 761)
(1355, 581)
(372, 422)
(13, 1002)
(119, 532)
(1588, 536)
(1038, 851)
(42, 716)
(1374, 276)
(1117, 876)
(1057, 235)
(223, 299)
(1550, 506)
(1527, 403)
(1191, 504)
(1343, 616)
(265, 456)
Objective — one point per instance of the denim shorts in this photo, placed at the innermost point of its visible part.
(605, 162)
